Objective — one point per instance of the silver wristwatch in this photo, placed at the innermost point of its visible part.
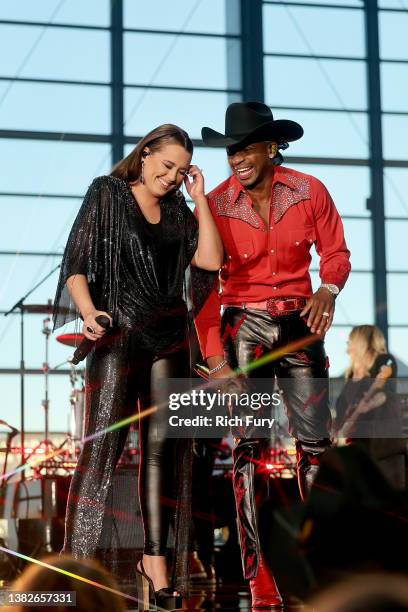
(332, 288)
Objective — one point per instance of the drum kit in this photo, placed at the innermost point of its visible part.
(65, 460)
(76, 398)
(62, 458)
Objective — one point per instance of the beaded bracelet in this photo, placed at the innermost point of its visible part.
(218, 367)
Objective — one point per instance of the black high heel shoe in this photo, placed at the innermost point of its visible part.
(151, 600)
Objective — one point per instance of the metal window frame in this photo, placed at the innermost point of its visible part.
(376, 162)
(252, 73)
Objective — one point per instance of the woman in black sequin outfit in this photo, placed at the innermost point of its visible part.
(126, 257)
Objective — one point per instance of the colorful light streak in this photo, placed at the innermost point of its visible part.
(274, 355)
(36, 461)
(269, 357)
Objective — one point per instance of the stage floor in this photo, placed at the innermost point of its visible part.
(228, 597)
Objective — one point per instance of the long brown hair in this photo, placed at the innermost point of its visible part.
(129, 168)
(370, 342)
(88, 597)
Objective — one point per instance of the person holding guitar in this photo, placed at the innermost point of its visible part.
(367, 408)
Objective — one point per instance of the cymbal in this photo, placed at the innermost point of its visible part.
(38, 308)
(70, 339)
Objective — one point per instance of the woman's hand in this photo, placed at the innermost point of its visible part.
(91, 329)
(195, 187)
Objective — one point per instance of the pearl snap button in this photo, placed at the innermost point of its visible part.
(296, 242)
(245, 255)
(272, 250)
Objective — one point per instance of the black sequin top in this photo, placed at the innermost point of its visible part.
(135, 269)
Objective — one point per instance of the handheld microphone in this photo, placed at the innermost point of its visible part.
(86, 345)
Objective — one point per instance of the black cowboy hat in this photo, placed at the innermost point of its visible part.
(247, 122)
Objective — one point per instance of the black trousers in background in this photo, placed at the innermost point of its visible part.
(119, 378)
(301, 375)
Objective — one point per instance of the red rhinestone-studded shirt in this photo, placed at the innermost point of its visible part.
(264, 261)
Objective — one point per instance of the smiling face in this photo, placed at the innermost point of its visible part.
(165, 169)
(251, 165)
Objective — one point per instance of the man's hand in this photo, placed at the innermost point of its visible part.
(224, 372)
(236, 384)
(320, 311)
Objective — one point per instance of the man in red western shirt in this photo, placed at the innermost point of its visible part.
(268, 217)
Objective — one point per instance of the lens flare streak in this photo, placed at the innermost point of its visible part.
(271, 356)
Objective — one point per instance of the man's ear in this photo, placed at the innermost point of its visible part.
(272, 149)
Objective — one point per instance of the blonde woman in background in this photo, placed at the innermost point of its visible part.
(367, 408)
(367, 349)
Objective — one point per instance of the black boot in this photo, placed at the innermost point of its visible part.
(308, 463)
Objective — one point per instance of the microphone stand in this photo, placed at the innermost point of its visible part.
(3, 483)
(20, 306)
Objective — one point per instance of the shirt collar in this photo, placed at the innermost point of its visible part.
(280, 175)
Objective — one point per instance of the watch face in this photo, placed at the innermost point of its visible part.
(333, 288)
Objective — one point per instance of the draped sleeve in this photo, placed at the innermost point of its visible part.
(187, 223)
(191, 234)
(93, 249)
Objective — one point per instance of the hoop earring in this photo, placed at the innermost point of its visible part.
(142, 174)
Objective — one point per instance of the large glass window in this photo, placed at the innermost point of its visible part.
(328, 134)
(393, 34)
(394, 96)
(295, 81)
(347, 185)
(54, 53)
(395, 187)
(184, 61)
(395, 135)
(398, 342)
(56, 113)
(36, 223)
(397, 235)
(313, 31)
(55, 108)
(313, 77)
(207, 16)
(397, 288)
(323, 4)
(78, 12)
(182, 64)
(191, 110)
(40, 166)
(59, 408)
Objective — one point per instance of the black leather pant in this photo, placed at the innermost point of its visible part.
(302, 376)
(119, 377)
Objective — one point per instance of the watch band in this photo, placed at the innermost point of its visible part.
(330, 287)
